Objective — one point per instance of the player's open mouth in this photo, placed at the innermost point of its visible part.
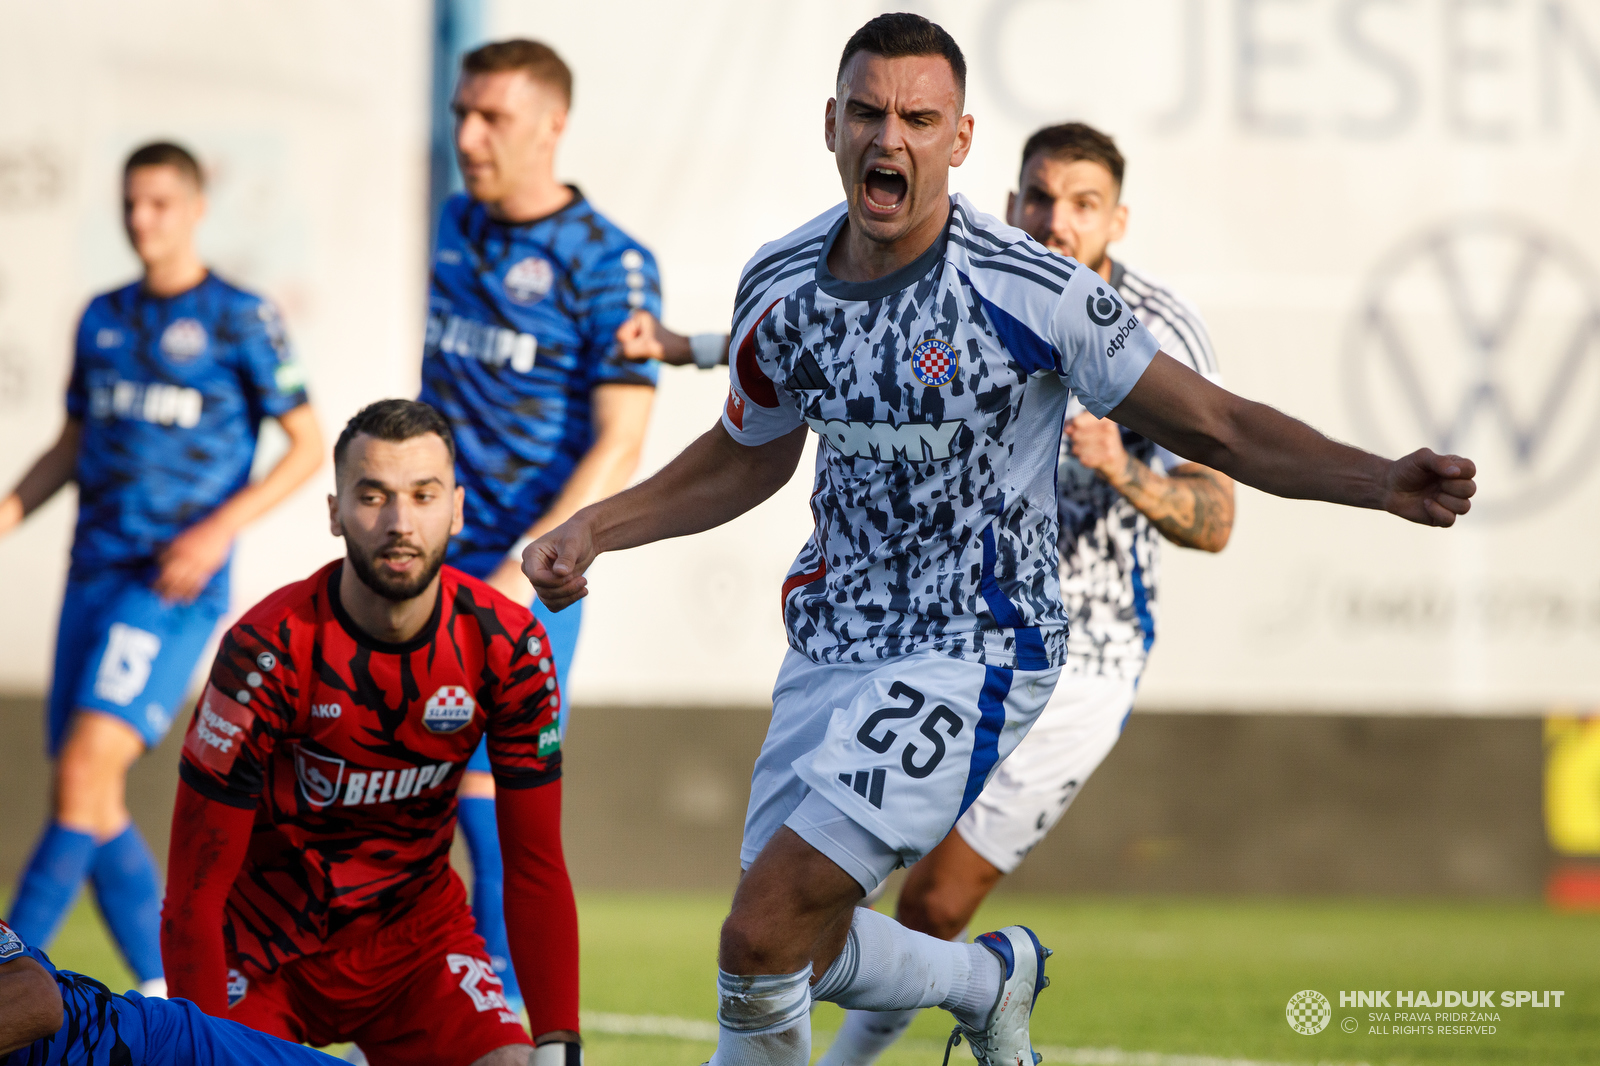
(885, 190)
(398, 560)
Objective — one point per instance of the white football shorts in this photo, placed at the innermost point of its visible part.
(872, 763)
(1034, 787)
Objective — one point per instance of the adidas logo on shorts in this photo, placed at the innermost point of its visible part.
(868, 784)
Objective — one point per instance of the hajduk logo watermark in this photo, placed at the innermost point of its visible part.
(1473, 1012)
(1308, 1012)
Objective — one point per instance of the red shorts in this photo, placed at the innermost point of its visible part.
(420, 992)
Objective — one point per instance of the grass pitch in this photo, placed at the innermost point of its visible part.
(1152, 982)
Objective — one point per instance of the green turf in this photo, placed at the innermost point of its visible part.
(1196, 977)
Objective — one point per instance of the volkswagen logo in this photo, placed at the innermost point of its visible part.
(1481, 337)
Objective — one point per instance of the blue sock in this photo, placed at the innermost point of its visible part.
(476, 818)
(125, 885)
(49, 884)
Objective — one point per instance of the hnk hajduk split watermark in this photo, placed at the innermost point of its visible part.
(1474, 1012)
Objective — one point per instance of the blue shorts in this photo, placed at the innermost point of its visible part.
(177, 1033)
(562, 629)
(120, 650)
(130, 1030)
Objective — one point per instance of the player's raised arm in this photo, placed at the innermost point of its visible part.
(1263, 447)
(714, 480)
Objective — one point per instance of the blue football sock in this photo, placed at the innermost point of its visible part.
(476, 818)
(129, 894)
(49, 883)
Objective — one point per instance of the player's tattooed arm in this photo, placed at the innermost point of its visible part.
(1192, 505)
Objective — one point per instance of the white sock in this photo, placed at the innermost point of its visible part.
(764, 1020)
(885, 966)
(155, 988)
(866, 1034)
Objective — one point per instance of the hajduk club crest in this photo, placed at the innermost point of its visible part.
(934, 362)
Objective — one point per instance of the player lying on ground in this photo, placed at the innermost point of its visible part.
(51, 1017)
(529, 282)
(933, 351)
(1115, 491)
(309, 889)
(171, 377)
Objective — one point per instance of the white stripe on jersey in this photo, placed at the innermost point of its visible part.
(1110, 553)
(939, 393)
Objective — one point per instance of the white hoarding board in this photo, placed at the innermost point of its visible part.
(1383, 208)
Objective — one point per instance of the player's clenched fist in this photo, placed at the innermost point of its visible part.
(1097, 444)
(642, 336)
(555, 563)
(1429, 488)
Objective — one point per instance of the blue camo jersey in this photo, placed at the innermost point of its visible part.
(938, 395)
(521, 321)
(98, 1028)
(171, 392)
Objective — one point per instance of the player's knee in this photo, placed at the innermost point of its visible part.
(751, 945)
(933, 908)
(90, 780)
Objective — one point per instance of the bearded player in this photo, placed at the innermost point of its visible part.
(1118, 494)
(933, 349)
(309, 889)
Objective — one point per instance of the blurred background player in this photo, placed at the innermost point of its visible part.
(67, 1019)
(529, 285)
(309, 886)
(1115, 491)
(171, 378)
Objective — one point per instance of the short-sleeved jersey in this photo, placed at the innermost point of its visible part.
(171, 392)
(1110, 553)
(350, 751)
(937, 394)
(98, 1028)
(521, 325)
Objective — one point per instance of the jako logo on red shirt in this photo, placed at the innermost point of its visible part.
(448, 709)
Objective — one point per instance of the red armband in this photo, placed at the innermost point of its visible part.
(209, 843)
(541, 915)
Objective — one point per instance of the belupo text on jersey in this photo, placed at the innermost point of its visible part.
(491, 345)
(940, 392)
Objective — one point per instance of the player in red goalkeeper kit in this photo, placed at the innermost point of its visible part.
(309, 890)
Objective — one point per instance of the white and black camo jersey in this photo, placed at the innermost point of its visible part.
(1110, 553)
(938, 393)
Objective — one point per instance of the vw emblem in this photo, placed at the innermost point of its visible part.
(1481, 337)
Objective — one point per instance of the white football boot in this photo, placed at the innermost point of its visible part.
(1004, 1041)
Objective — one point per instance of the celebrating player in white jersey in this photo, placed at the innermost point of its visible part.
(932, 349)
(1116, 491)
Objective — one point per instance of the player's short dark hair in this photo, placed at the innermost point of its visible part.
(166, 154)
(538, 60)
(903, 34)
(1072, 141)
(394, 420)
